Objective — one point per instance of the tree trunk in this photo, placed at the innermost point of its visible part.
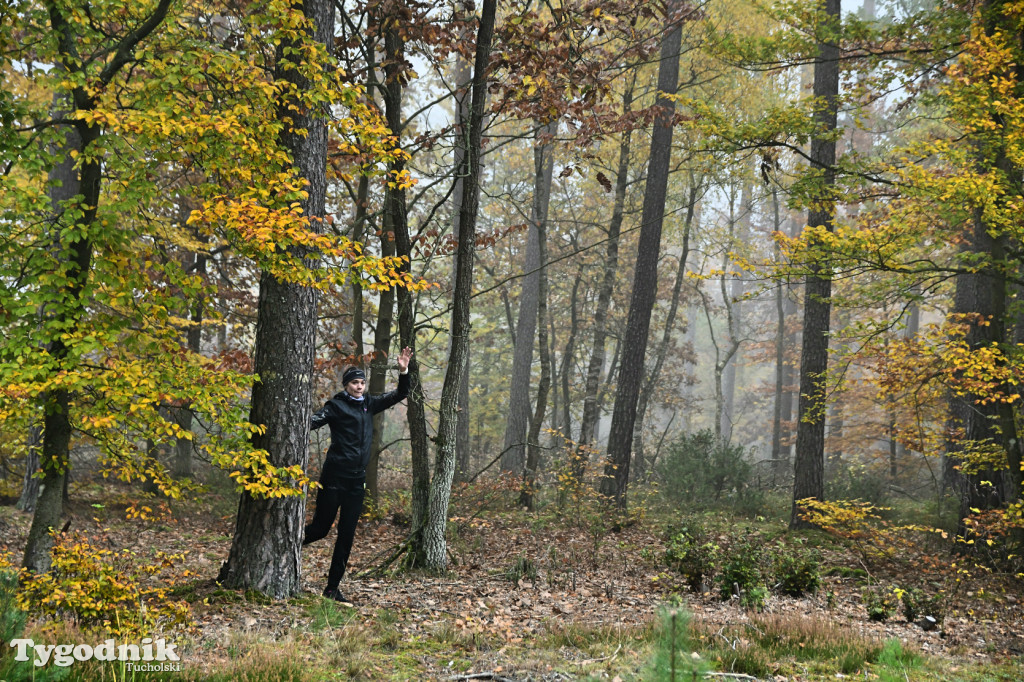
(359, 235)
(647, 391)
(836, 416)
(518, 415)
(30, 483)
(983, 302)
(591, 392)
(779, 463)
(738, 289)
(432, 539)
(65, 183)
(809, 465)
(526, 497)
(393, 222)
(463, 440)
(382, 333)
(565, 373)
(645, 280)
(265, 550)
(182, 467)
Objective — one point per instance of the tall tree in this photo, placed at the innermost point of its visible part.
(517, 423)
(662, 349)
(645, 280)
(809, 460)
(74, 190)
(266, 549)
(984, 292)
(598, 355)
(432, 543)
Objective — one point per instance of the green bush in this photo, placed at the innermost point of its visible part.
(699, 467)
(880, 603)
(693, 554)
(916, 603)
(797, 573)
(858, 483)
(742, 575)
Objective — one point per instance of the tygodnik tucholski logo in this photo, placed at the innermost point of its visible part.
(147, 656)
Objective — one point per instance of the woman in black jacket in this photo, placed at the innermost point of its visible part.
(343, 478)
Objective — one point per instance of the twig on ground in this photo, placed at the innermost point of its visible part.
(735, 676)
(379, 569)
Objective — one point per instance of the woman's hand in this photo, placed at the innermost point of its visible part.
(403, 359)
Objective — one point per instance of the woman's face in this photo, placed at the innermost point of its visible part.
(356, 387)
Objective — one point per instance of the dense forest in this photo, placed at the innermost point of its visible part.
(652, 260)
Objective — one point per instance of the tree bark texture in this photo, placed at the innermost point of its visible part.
(463, 85)
(518, 415)
(645, 280)
(265, 550)
(433, 536)
(30, 483)
(809, 463)
(65, 183)
(983, 302)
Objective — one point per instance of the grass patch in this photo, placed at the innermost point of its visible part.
(783, 644)
(328, 614)
(590, 639)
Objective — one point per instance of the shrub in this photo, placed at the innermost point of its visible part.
(693, 554)
(742, 575)
(797, 573)
(699, 466)
(102, 590)
(858, 483)
(916, 603)
(879, 602)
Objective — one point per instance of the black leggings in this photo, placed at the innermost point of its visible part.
(345, 494)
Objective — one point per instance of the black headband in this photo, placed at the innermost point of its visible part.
(351, 374)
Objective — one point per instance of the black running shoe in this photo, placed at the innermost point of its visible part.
(337, 596)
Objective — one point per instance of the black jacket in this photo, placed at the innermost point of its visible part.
(351, 423)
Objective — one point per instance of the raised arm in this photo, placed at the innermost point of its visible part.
(383, 402)
(403, 359)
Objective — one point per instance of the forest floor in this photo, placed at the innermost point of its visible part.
(544, 596)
